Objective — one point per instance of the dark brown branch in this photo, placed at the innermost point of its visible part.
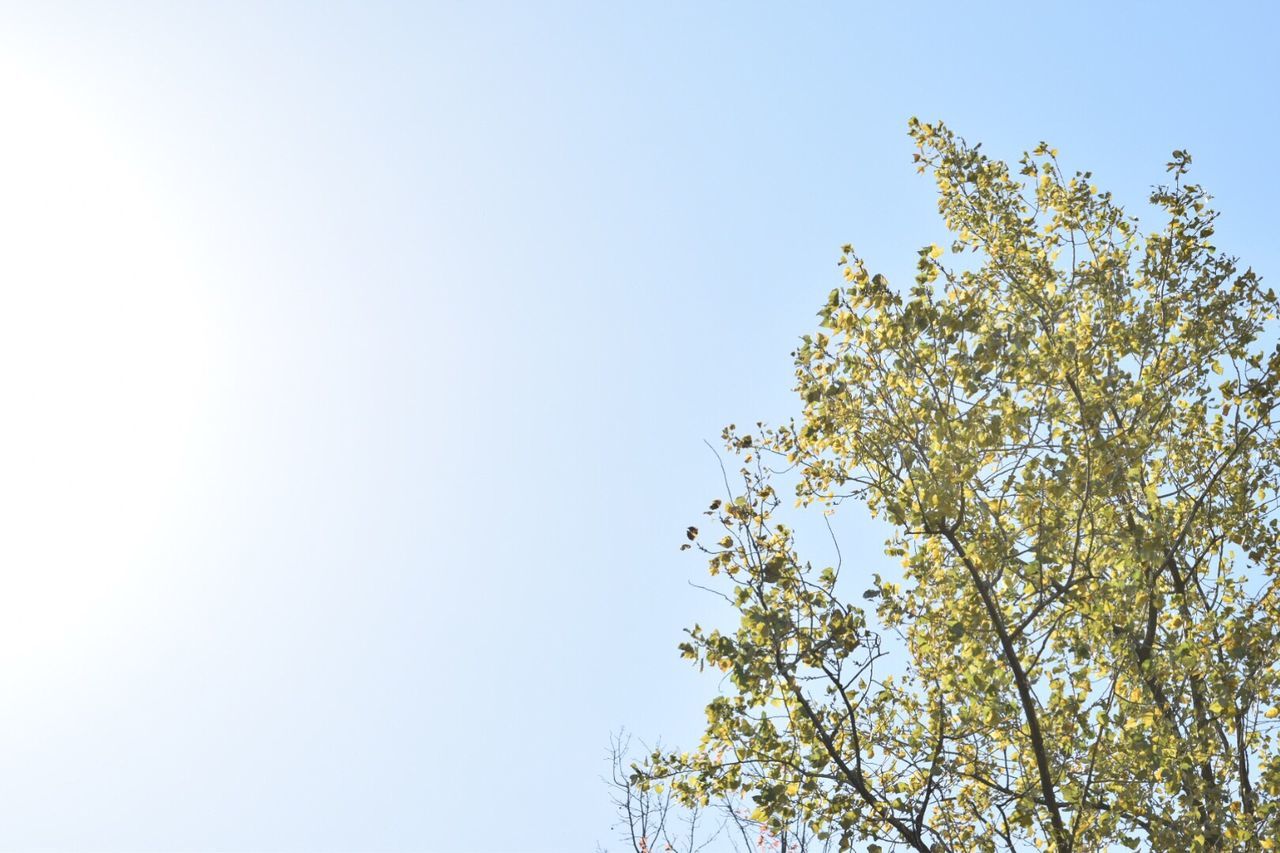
(1062, 838)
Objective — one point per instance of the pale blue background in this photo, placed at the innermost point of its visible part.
(486, 276)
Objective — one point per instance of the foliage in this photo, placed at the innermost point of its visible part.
(650, 820)
(1071, 430)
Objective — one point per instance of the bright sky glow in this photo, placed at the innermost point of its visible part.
(103, 365)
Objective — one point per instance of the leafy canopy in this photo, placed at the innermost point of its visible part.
(1072, 431)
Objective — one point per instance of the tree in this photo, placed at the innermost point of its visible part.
(1071, 430)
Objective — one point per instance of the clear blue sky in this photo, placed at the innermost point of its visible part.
(358, 358)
